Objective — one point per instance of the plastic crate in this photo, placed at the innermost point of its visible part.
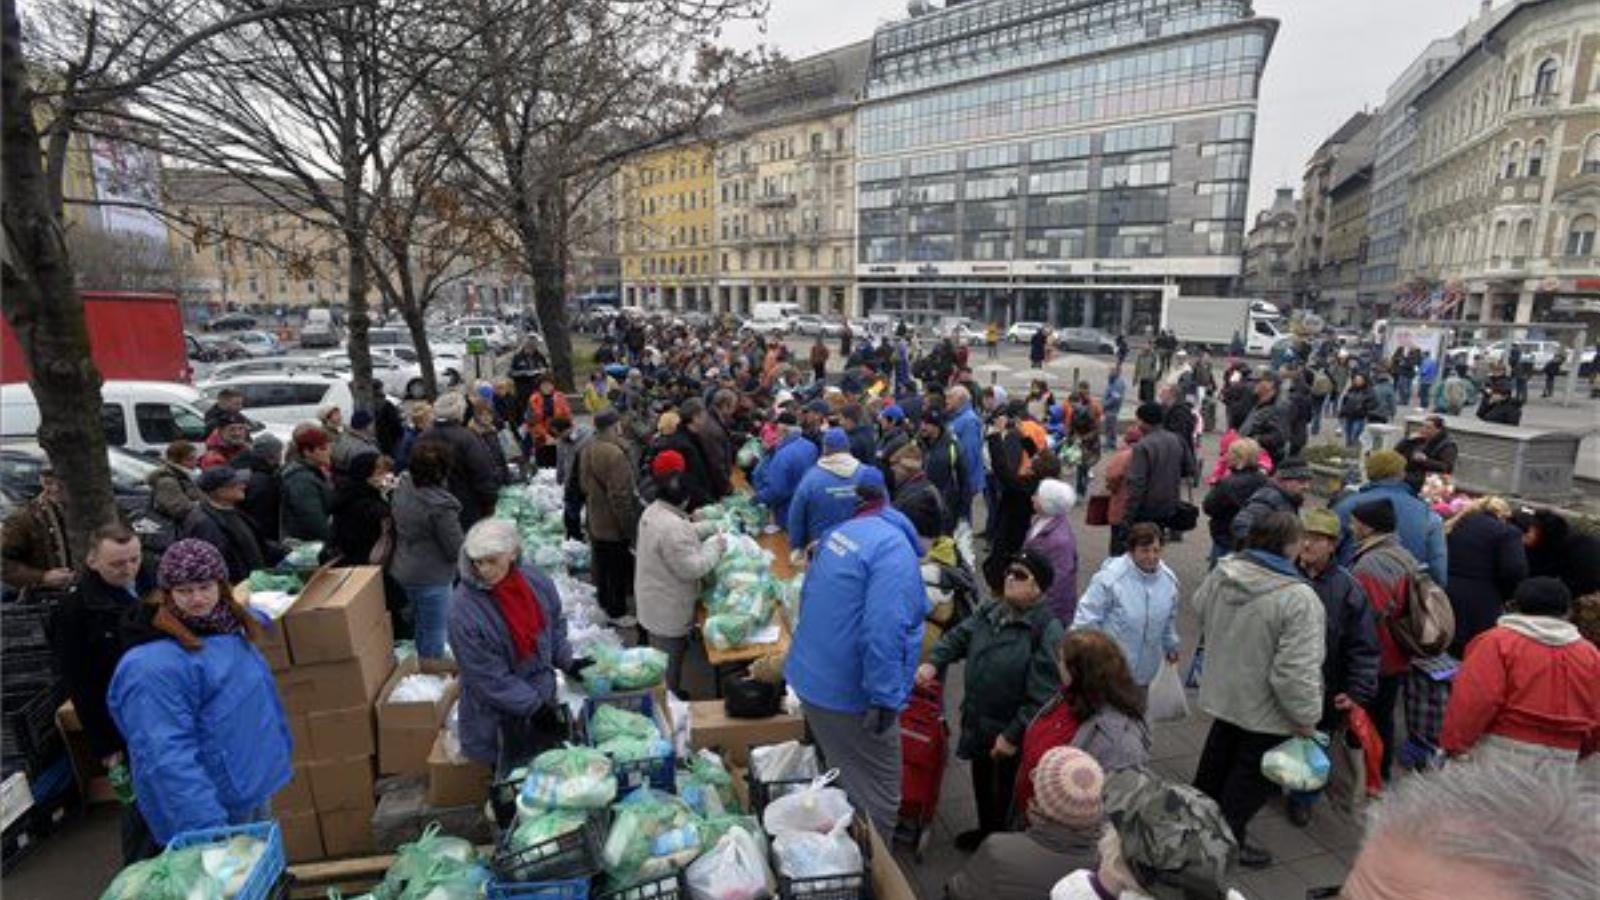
(29, 739)
(263, 881)
(855, 886)
(575, 854)
(660, 772)
(504, 789)
(28, 669)
(667, 887)
(25, 626)
(570, 889)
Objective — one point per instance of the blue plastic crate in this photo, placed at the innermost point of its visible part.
(660, 772)
(263, 880)
(571, 889)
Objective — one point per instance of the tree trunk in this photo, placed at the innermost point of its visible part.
(543, 248)
(43, 307)
(356, 318)
(412, 313)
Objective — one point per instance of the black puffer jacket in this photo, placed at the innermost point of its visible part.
(1225, 500)
(1267, 499)
(1350, 665)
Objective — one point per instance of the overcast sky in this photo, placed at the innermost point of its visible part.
(1332, 58)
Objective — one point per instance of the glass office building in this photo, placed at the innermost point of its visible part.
(1068, 161)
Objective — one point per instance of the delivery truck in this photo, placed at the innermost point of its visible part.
(131, 337)
(1215, 321)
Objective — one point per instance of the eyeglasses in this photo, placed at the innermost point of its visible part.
(1019, 573)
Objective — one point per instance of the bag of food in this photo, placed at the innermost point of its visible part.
(548, 825)
(436, 866)
(287, 582)
(818, 809)
(1167, 702)
(810, 854)
(725, 631)
(568, 778)
(652, 833)
(624, 670)
(609, 722)
(735, 869)
(787, 761)
(174, 875)
(705, 785)
(1299, 764)
(630, 749)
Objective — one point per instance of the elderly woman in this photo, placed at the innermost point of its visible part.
(208, 743)
(1487, 562)
(672, 559)
(509, 638)
(1051, 536)
(1134, 599)
(1229, 495)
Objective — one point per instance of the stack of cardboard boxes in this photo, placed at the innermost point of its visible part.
(331, 653)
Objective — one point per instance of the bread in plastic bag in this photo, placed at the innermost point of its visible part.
(1299, 764)
(818, 809)
(735, 869)
(810, 854)
(1167, 702)
(787, 761)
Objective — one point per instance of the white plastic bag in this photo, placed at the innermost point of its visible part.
(804, 854)
(735, 869)
(1299, 764)
(1167, 702)
(784, 762)
(817, 809)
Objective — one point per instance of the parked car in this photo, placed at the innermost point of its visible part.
(232, 322)
(1085, 340)
(399, 378)
(286, 399)
(141, 416)
(805, 324)
(447, 365)
(766, 327)
(258, 343)
(21, 461)
(1022, 332)
(320, 329)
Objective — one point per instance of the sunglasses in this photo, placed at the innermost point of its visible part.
(1019, 573)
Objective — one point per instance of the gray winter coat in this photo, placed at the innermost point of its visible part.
(1025, 866)
(1115, 739)
(1268, 499)
(1155, 475)
(1272, 624)
(427, 533)
(173, 492)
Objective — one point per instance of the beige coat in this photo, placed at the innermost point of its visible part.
(671, 561)
(606, 475)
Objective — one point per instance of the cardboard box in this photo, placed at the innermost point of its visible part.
(336, 610)
(90, 775)
(347, 832)
(302, 836)
(342, 784)
(888, 881)
(341, 733)
(299, 734)
(455, 783)
(406, 731)
(710, 728)
(341, 685)
(296, 796)
(272, 645)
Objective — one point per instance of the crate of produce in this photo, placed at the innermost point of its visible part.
(664, 887)
(574, 854)
(262, 882)
(568, 889)
(25, 625)
(516, 753)
(852, 886)
(29, 739)
(659, 772)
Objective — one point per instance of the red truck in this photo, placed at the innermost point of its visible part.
(131, 336)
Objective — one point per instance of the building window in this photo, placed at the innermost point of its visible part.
(1536, 159)
(1522, 243)
(1580, 237)
(1544, 83)
(1512, 160)
(1591, 156)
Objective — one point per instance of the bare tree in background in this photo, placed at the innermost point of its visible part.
(76, 61)
(561, 92)
(104, 260)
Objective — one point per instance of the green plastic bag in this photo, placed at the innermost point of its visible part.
(304, 556)
(431, 860)
(712, 828)
(174, 875)
(567, 778)
(652, 833)
(631, 749)
(707, 787)
(547, 826)
(624, 669)
(610, 722)
(287, 582)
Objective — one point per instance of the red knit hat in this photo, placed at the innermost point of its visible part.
(667, 463)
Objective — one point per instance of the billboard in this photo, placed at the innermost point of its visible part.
(127, 173)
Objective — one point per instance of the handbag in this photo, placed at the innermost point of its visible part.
(1099, 511)
(1184, 517)
(383, 548)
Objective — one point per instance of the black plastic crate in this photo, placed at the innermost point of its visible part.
(25, 626)
(666, 887)
(28, 669)
(659, 772)
(575, 854)
(29, 738)
(504, 789)
(855, 886)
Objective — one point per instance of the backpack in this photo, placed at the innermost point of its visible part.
(1082, 419)
(1426, 625)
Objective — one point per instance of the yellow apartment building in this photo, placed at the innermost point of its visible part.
(667, 247)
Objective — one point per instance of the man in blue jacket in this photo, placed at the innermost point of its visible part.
(968, 431)
(779, 474)
(855, 650)
(1419, 528)
(827, 494)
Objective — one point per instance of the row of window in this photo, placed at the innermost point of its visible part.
(1110, 242)
(781, 149)
(683, 201)
(812, 260)
(1505, 242)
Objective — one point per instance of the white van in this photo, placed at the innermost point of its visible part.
(142, 416)
(286, 399)
(319, 329)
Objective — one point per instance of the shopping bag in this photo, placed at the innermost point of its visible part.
(1167, 702)
(735, 869)
(1299, 764)
(1099, 510)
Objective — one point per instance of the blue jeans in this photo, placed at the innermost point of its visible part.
(1402, 388)
(1316, 418)
(430, 607)
(1352, 431)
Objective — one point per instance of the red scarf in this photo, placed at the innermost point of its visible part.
(521, 610)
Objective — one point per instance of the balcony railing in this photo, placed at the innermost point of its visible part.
(785, 198)
(1535, 101)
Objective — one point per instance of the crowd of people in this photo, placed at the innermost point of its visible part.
(1308, 616)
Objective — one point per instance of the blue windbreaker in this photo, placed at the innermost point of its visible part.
(780, 474)
(826, 497)
(1419, 528)
(860, 631)
(968, 430)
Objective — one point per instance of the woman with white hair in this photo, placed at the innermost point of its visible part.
(509, 638)
(1051, 536)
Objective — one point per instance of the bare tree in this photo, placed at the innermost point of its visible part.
(83, 61)
(564, 89)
